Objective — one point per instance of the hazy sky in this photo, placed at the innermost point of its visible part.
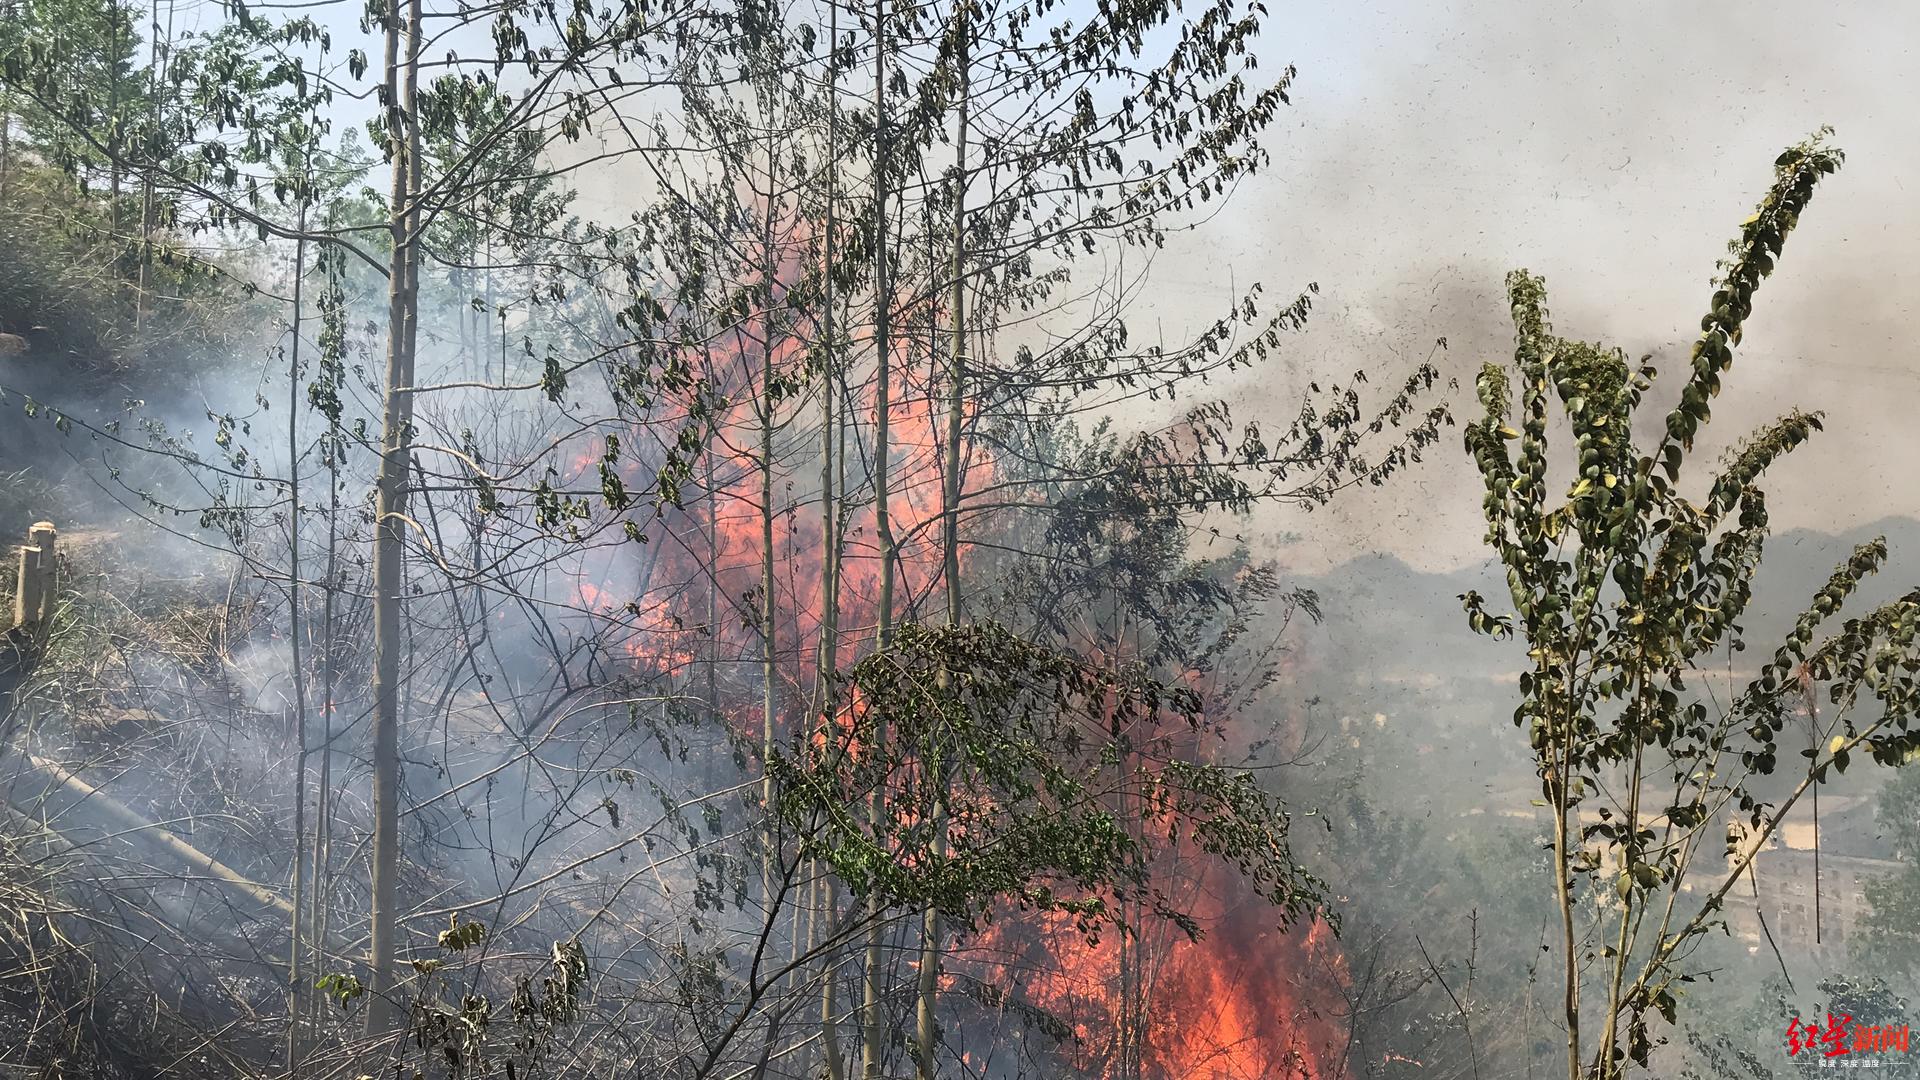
(1613, 147)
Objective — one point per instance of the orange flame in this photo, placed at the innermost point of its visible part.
(1240, 1003)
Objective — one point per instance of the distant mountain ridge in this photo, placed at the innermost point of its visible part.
(1383, 613)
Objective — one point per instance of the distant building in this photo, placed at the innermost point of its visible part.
(1777, 894)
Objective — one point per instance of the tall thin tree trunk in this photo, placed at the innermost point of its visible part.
(6, 127)
(158, 61)
(294, 629)
(323, 796)
(391, 502)
(769, 635)
(1563, 895)
(827, 657)
(9, 11)
(712, 532)
(824, 694)
(871, 1003)
(486, 362)
(116, 150)
(927, 1027)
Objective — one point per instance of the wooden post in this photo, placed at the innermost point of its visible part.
(38, 584)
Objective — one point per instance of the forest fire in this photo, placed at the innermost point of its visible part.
(1238, 1001)
(1266, 998)
(1246, 997)
(701, 576)
(1249, 999)
(699, 582)
(734, 540)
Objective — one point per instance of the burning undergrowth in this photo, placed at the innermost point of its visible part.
(1241, 1002)
(1216, 978)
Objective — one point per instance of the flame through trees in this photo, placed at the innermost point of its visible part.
(675, 502)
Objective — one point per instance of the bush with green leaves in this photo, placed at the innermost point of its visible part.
(1626, 591)
(1016, 775)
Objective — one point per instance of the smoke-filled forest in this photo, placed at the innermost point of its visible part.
(952, 538)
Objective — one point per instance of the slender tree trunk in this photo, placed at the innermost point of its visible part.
(1813, 736)
(116, 150)
(9, 11)
(957, 344)
(295, 627)
(463, 318)
(769, 634)
(713, 597)
(1563, 895)
(872, 1004)
(158, 61)
(927, 1028)
(1622, 948)
(6, 133)
(1132, 963)
(828, 655)
(486, 362)
(828, 660)
(391, 500)
(323, 796)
